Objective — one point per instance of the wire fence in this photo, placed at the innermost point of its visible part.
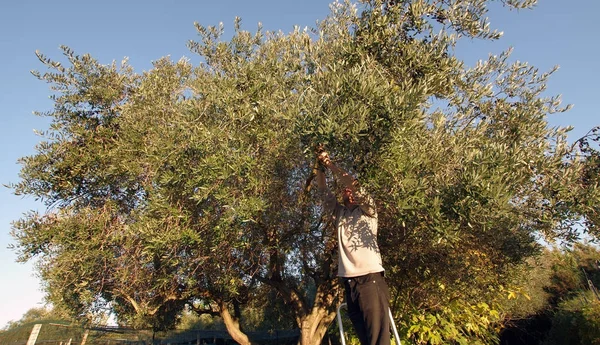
(63, 334)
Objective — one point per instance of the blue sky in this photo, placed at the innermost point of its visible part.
(556, 32)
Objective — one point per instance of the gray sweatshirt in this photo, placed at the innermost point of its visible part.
(357, 236)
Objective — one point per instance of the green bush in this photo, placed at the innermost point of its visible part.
(577, 321)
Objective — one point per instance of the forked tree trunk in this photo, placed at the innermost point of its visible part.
(314, 326)
(314, 318)
(314, 323)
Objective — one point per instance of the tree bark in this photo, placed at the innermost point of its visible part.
(315, 322)
(232, 325)
(314, 326)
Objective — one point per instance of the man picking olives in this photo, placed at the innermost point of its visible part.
(359, 264)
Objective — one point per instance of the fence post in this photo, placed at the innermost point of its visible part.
(34, 334)
(85, 335)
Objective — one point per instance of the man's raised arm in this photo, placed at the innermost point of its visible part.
(328, 197)
(347, 181)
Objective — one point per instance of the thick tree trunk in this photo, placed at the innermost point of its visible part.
(313, 316)
(314, 326)
(232, 325)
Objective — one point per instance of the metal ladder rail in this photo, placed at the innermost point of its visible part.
(341, 326)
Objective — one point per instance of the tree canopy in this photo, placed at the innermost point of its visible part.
(187, 185)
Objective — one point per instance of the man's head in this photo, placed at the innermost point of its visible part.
(348, 197)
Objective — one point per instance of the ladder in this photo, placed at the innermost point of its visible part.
(341, 326)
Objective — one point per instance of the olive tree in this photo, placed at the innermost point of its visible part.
(190, 185)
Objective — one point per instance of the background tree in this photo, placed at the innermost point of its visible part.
(35, 315)
(575, 298)
(188, 183)
(558, 303)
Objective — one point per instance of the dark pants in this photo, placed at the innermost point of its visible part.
(367, 298)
